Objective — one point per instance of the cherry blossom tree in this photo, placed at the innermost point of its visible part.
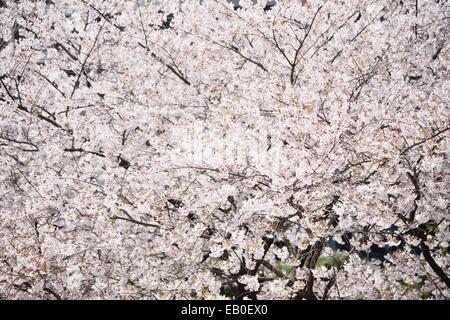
(201, 150)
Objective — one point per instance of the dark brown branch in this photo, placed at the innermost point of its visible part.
(59, 45)
(414, 177)
(103, 15)
(52, 292)
(171, 68)
(86, 151)
(432, 263)
(77, 82)
(136, 222)
(328, 287)
(277, 45)
(294, 78)
(236, 50)
(21, 107)
(52, 122)
(53, 84)
(6, 88)
(267, 244)
(424, 140)
(308, 292)
(21, 142)
(367, 25)
(272, 268)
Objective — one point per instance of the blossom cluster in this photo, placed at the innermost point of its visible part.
(203, 150)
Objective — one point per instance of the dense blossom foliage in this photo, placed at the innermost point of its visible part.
(200, 150)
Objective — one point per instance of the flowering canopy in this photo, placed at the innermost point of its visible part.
(182, 150)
